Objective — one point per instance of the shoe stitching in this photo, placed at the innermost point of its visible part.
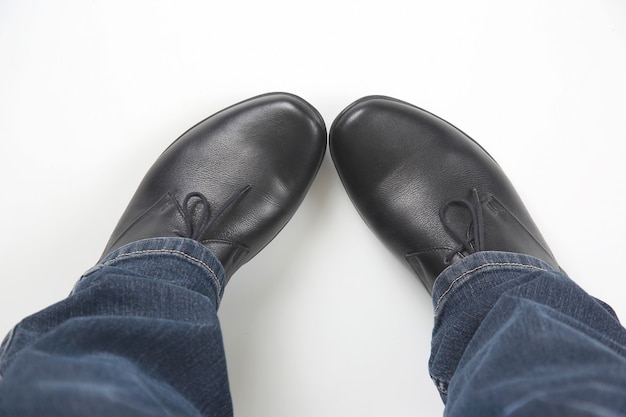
(463, 275)
(176, 252)
(162, 200)
(429, 250)
(494, 202)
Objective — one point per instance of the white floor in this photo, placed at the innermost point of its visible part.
(324, 322)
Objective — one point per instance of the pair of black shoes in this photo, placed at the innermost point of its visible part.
(234, 180)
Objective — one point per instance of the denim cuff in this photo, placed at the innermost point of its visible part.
(461, 273)
(179, 261)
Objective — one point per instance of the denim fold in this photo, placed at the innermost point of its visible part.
(137, 336)
(514, 337)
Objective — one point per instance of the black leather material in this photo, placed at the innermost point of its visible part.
(400, 165)
(254, 163)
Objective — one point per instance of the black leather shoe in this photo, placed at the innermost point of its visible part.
(232, 181)
(429, 192)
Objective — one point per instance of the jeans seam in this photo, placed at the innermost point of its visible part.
(442, 385)
(496, 264)
(9, 341)
(176, 252)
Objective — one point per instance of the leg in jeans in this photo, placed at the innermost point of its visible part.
(513, 337)
(513, 334)
(139, 335)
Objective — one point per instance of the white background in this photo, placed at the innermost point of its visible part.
(324, 321)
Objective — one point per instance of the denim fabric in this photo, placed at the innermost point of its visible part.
(138, 336)
(513, 337)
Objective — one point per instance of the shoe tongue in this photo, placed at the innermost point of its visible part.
(462, 225)
(199, 216)
(463, 220)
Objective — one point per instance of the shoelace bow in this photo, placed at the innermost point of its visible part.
(472, 239)
(204, 219)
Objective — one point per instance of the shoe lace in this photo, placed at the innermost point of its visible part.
(195, 230)
(472, 239)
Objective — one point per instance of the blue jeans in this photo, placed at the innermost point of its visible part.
(512, 337)
(139, 336)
